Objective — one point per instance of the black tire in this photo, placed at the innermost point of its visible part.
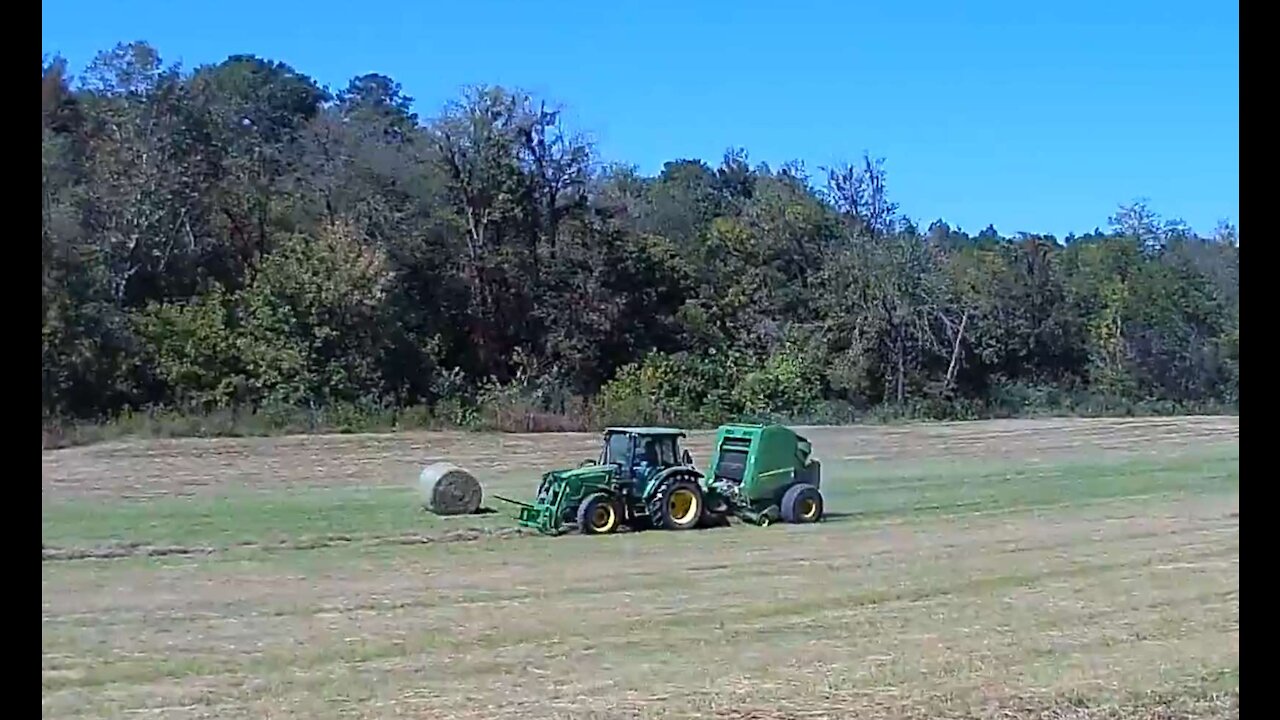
(769, 516)
(599, 514)
(802, 503)
(677, 505)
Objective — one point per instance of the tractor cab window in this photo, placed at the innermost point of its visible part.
(665, 449)
(646, 452)
(618, 449)
(659, 452)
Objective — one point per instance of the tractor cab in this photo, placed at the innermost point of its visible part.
(639, 452)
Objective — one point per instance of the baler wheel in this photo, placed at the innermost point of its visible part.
(769, 516)
(802, 503)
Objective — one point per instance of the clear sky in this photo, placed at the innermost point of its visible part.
(1033, 116)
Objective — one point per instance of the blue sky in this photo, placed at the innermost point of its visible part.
(1037, 117)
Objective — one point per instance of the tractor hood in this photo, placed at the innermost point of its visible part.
(586, 470)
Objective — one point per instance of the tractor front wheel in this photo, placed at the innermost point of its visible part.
(598, 515)
(678, 505)
(802, 503)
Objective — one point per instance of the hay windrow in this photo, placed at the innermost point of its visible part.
(111, 551)
(447, 489)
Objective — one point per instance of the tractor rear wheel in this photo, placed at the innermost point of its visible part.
(802, 503)
(598, 515)
(678, 505)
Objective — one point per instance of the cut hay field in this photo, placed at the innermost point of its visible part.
(1008, 569)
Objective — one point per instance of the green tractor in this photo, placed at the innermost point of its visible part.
(644, 479)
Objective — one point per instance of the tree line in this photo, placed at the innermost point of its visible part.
(237, 238)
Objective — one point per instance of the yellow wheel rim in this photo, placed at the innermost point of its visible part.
(603, 518)
(683, 506)
(808, 508)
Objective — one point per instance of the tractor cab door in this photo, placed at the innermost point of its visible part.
(652, 455)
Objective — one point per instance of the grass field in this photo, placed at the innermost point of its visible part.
(1046, 569)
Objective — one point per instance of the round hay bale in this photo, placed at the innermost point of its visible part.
(447, 489)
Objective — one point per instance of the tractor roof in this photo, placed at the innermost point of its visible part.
(646, 431)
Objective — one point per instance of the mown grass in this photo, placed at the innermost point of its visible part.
(1101, 585)
(853, 491)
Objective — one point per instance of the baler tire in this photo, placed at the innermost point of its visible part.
(802, 503)
(599, 514)
(661, 509)
(769, 516)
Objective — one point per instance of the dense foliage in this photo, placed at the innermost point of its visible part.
(239, 237)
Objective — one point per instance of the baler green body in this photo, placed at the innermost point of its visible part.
(763, 473)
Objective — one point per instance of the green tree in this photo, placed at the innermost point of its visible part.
(235, 235)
